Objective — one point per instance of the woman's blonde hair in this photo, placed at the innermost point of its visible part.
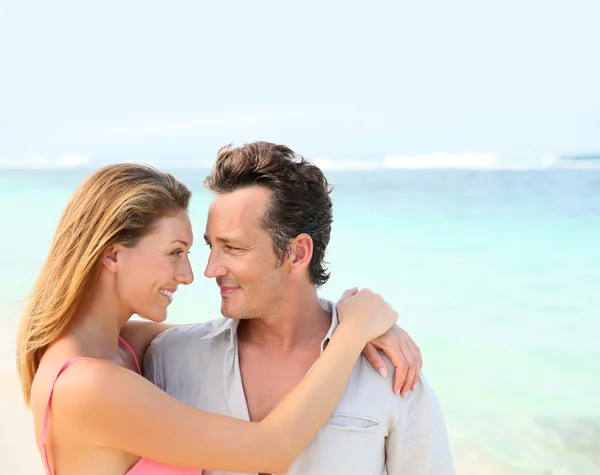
(115, 204)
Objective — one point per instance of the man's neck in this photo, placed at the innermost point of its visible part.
(298, 321)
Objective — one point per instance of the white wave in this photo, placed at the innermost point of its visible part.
(480, 161)
(442, 160)
(465, 160)
(350, 165)
(40, 161)
(37, 160)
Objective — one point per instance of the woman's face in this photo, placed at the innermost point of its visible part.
(149, 273)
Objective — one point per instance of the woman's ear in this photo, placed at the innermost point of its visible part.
(109, 258)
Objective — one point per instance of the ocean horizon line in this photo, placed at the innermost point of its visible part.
(434, 161)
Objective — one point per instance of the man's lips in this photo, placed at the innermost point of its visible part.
(228, 289)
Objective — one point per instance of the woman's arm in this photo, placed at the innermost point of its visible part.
(115, 408)
(396, 343)
(139, 334)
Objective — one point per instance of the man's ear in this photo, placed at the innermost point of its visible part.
(301, 251)
(110, 258)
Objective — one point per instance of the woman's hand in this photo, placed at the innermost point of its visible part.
(366, 313)
(405, 355)
(400, 348)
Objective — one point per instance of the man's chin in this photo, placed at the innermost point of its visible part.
(233, 313)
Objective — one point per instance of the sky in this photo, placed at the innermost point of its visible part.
(173, 81)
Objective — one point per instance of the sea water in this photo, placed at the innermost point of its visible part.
(494, 273)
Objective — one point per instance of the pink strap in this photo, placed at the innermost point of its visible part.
(42, 442)
(126, 345)
(68, 363)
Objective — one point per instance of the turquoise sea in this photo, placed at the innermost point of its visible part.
(495, 274)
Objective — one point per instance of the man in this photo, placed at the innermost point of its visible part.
(268, 228)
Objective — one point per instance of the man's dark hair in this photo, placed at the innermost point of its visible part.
(300, 201)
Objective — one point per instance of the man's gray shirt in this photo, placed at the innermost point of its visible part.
(371, 432)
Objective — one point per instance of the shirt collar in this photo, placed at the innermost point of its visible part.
(222, 326)
(330, 307)
(230, 325)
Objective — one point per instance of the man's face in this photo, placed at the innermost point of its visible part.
(242, 259)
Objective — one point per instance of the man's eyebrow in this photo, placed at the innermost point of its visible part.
(180, 241)
(226, 240)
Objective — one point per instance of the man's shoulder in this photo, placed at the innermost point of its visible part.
(382, 388)
(177, 336)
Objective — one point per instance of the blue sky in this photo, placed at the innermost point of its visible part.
(175, 80)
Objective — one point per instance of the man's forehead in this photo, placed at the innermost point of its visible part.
(248, 203)
(237, 210)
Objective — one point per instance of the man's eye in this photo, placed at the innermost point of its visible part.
(231, 248)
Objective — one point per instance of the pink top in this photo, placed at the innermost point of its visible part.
(143, 466)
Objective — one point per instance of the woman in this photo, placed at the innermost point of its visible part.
(120, 248)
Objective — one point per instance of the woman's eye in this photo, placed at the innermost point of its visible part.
(177, 253)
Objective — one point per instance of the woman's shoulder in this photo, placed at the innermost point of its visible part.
(70, 377)
(79, 384)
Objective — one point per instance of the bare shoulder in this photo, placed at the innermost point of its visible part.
(82, 392)
(88, 380)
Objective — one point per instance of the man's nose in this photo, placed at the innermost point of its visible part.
(214, 267)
